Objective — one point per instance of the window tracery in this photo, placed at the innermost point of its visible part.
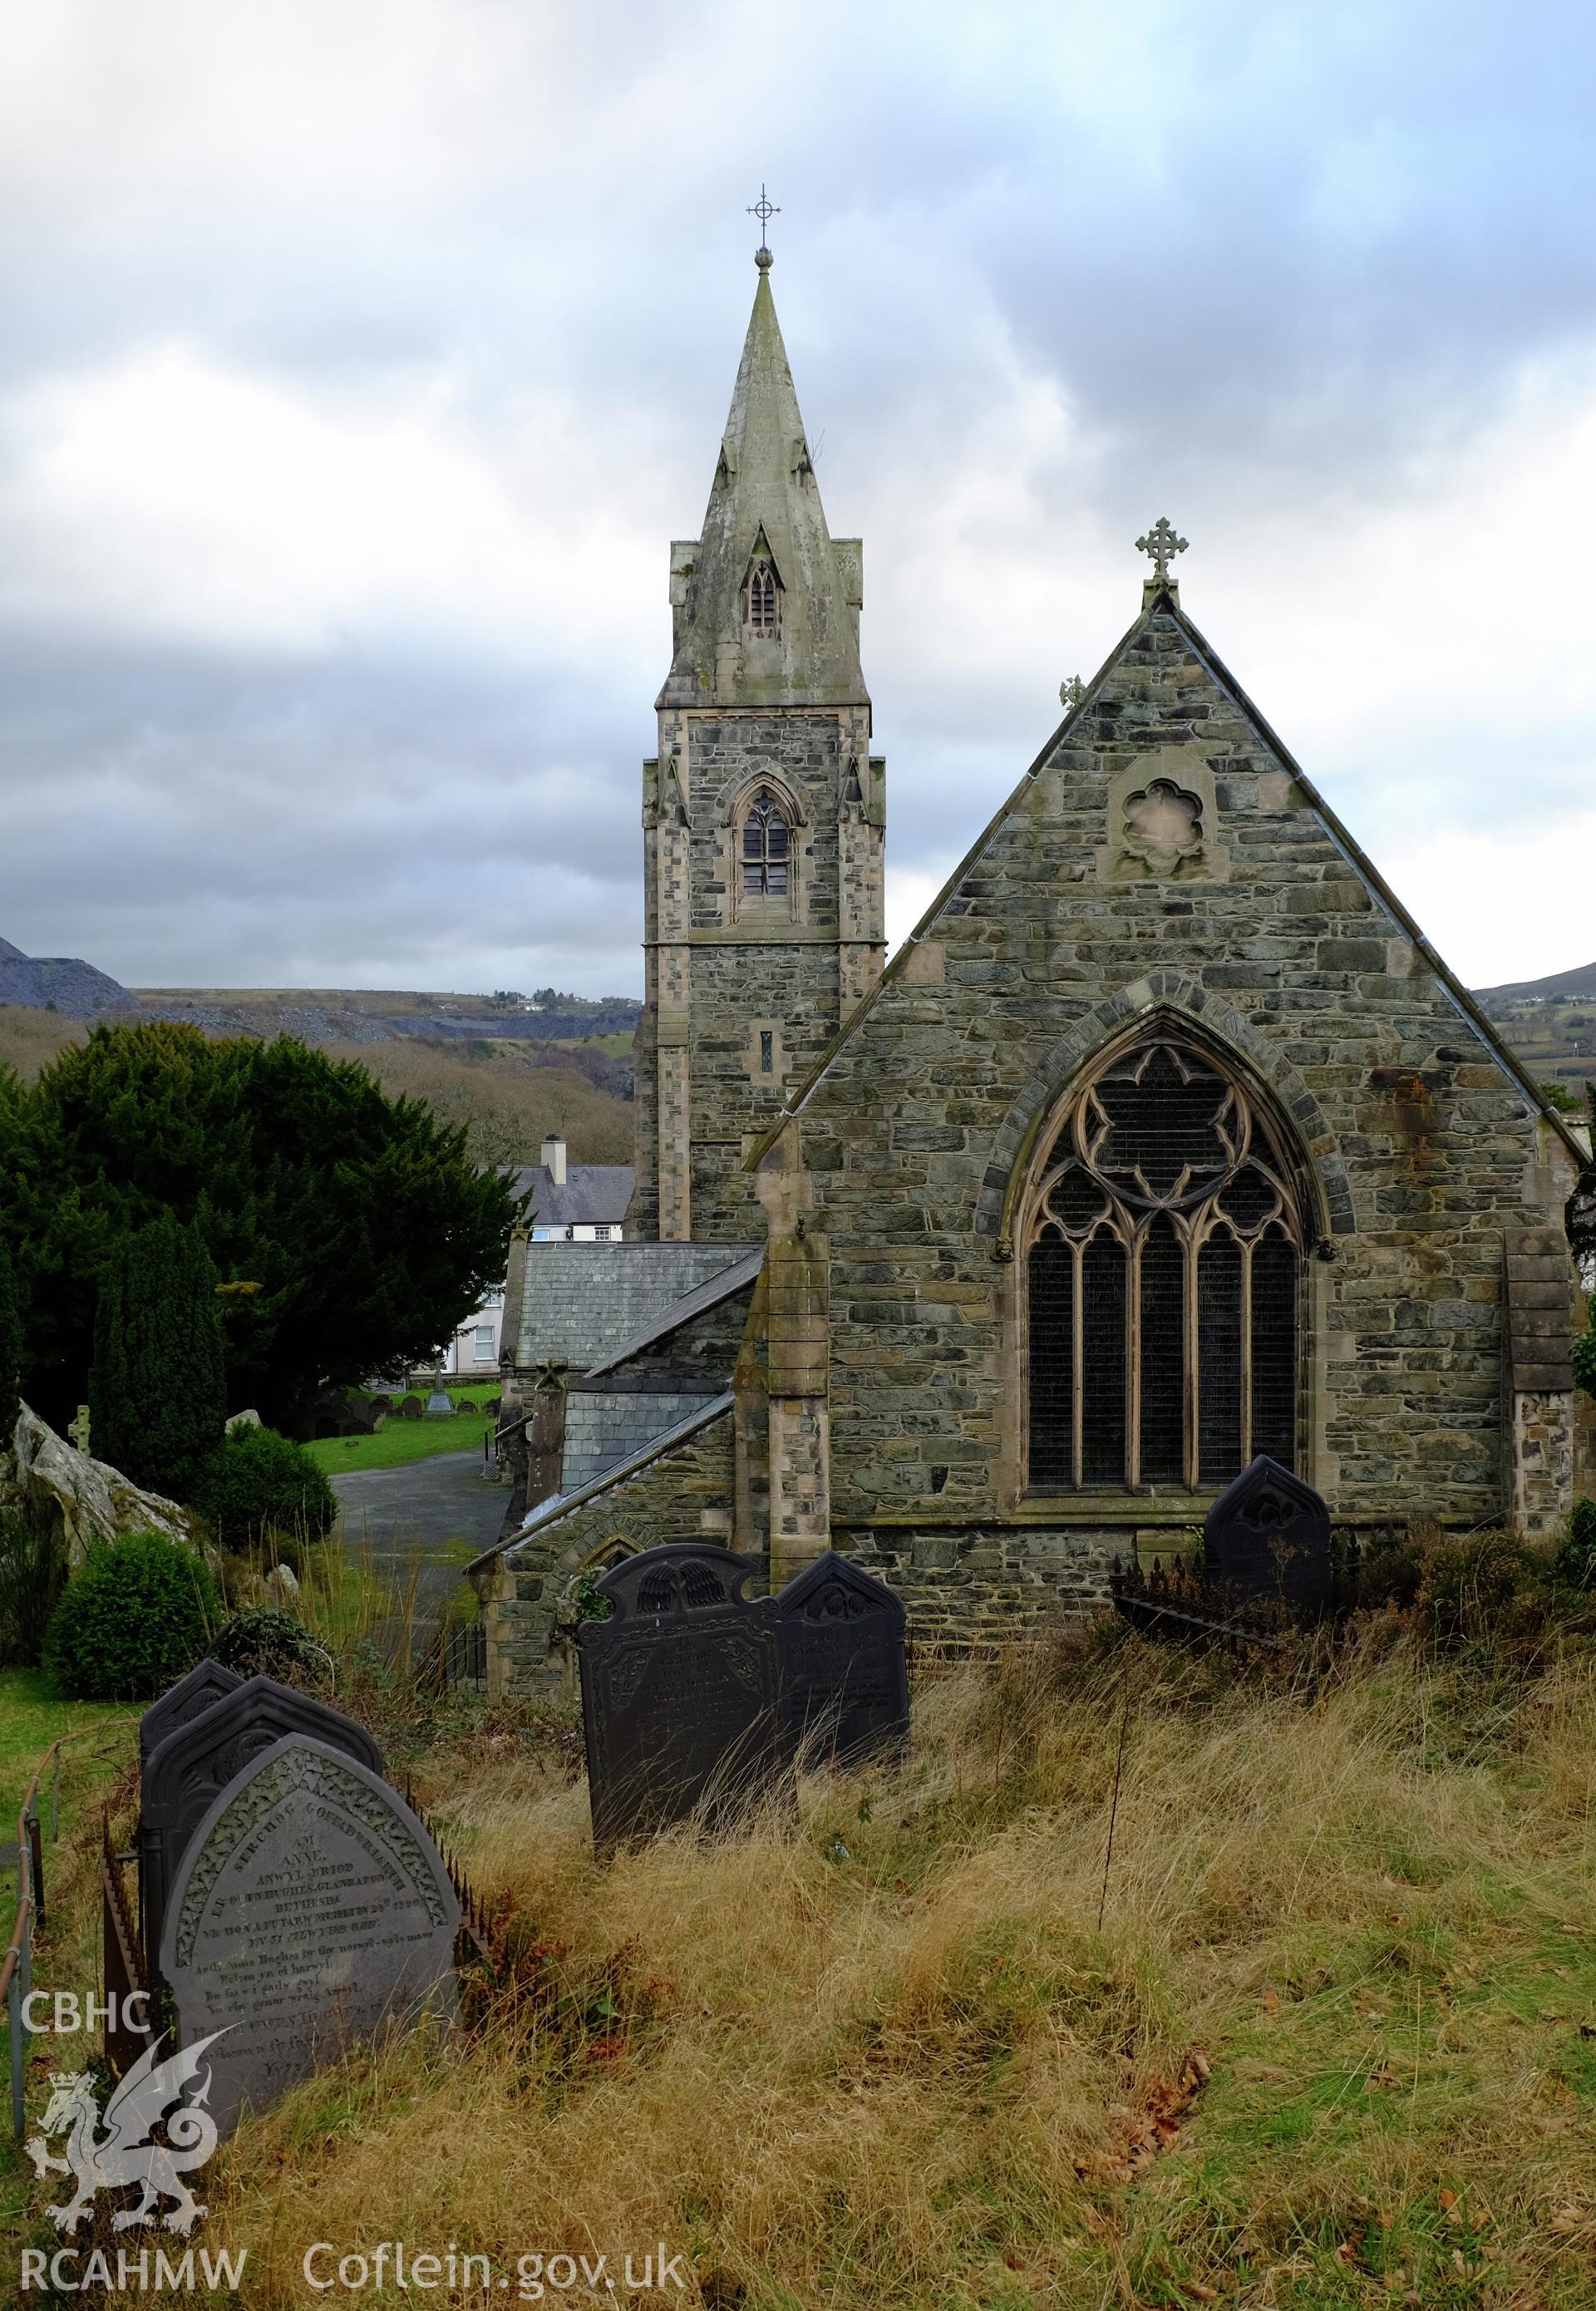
(1163, 1240)
(766, 849)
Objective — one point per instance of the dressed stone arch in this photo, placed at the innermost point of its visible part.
(762, 822)
(1191, 1009)
(1158, 1208)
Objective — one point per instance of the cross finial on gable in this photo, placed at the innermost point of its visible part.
(764, 209)
(1161, 543)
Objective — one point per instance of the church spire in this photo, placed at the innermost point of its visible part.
(766, 600)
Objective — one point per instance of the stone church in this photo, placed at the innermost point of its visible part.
(1166, 1139)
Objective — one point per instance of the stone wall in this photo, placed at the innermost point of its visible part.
(725, 972)
(684, 1494)
(1266, 934)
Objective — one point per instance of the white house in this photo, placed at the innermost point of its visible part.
(571, 1203)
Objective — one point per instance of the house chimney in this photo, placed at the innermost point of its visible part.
(553, 1158)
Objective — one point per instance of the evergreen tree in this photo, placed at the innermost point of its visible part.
(158, 1385)
(353, 1231)
(11, 1352)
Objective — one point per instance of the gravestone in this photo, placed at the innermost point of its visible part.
(844, 1674)
(196, 1760)
(311, 1910)
(1269, 1535)
(439, 1405)
(190, 1697)
(408, 1407)
(681, 1692)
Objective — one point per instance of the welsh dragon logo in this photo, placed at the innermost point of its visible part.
(124, 2157)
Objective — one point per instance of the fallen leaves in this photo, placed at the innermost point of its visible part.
(1154, 2121)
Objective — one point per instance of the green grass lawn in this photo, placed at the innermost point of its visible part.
(398, 1441)
(32, 1716)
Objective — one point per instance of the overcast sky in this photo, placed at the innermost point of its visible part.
(360, 358)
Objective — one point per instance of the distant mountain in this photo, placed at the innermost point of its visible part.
(60, 983)
(1579, 981)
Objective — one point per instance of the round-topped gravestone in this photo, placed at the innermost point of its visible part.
(310, 1911)
(207, 1683)
(681, 1692)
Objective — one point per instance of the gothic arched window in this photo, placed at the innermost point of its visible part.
(761, 600)
(1162, 1242)
(767, 849)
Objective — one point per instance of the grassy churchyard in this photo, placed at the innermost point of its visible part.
(399, 1440)
(1331, 2041)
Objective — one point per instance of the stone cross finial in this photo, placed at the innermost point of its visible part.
(1072, 692)
(764, 209)
(1161, 543)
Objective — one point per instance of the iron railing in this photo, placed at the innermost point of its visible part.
(16, 1969)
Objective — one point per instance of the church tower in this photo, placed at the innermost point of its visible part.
(763, 816)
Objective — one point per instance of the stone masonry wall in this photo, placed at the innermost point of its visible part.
(724, 971)
(684, 1495)
(1262, 933)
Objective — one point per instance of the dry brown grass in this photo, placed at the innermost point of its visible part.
(880, 2053)
(30, 1040)
(509, 1096)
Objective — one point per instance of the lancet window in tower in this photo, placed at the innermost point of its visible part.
(762, 602)
(767, 849)
(1163, 1242)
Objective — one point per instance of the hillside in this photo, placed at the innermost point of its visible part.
(1549, 1022)
(510, 1093)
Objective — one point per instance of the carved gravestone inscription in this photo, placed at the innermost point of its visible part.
(845, 1678)
(311, 1910)
(681, 1693)
(196, 1761)
(1269, 1535)
(209, 1682)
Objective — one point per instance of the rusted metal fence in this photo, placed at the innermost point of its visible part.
(16, 1969)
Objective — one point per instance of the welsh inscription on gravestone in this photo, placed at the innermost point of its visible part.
(845, 1677)
(1269, 1535)
(196, 1761)
(209, 1682)
(681, 1692)
(311, 1910)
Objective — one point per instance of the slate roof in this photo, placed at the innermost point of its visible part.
(730, 1280)
(583, 1302)
(605, 1426)
(558, 1504)
(592, 1194)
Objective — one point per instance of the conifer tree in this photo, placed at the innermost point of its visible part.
(11, 1352)
(158, 1385)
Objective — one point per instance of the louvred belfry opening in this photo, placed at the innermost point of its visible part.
(767, 841)
(1163, 1242)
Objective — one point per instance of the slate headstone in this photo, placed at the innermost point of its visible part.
(206, 1684)
(196, 1760)
(681, 1692)
(311, 1910)
(1269, 1535)
(408, 1407)
(845, 1672)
